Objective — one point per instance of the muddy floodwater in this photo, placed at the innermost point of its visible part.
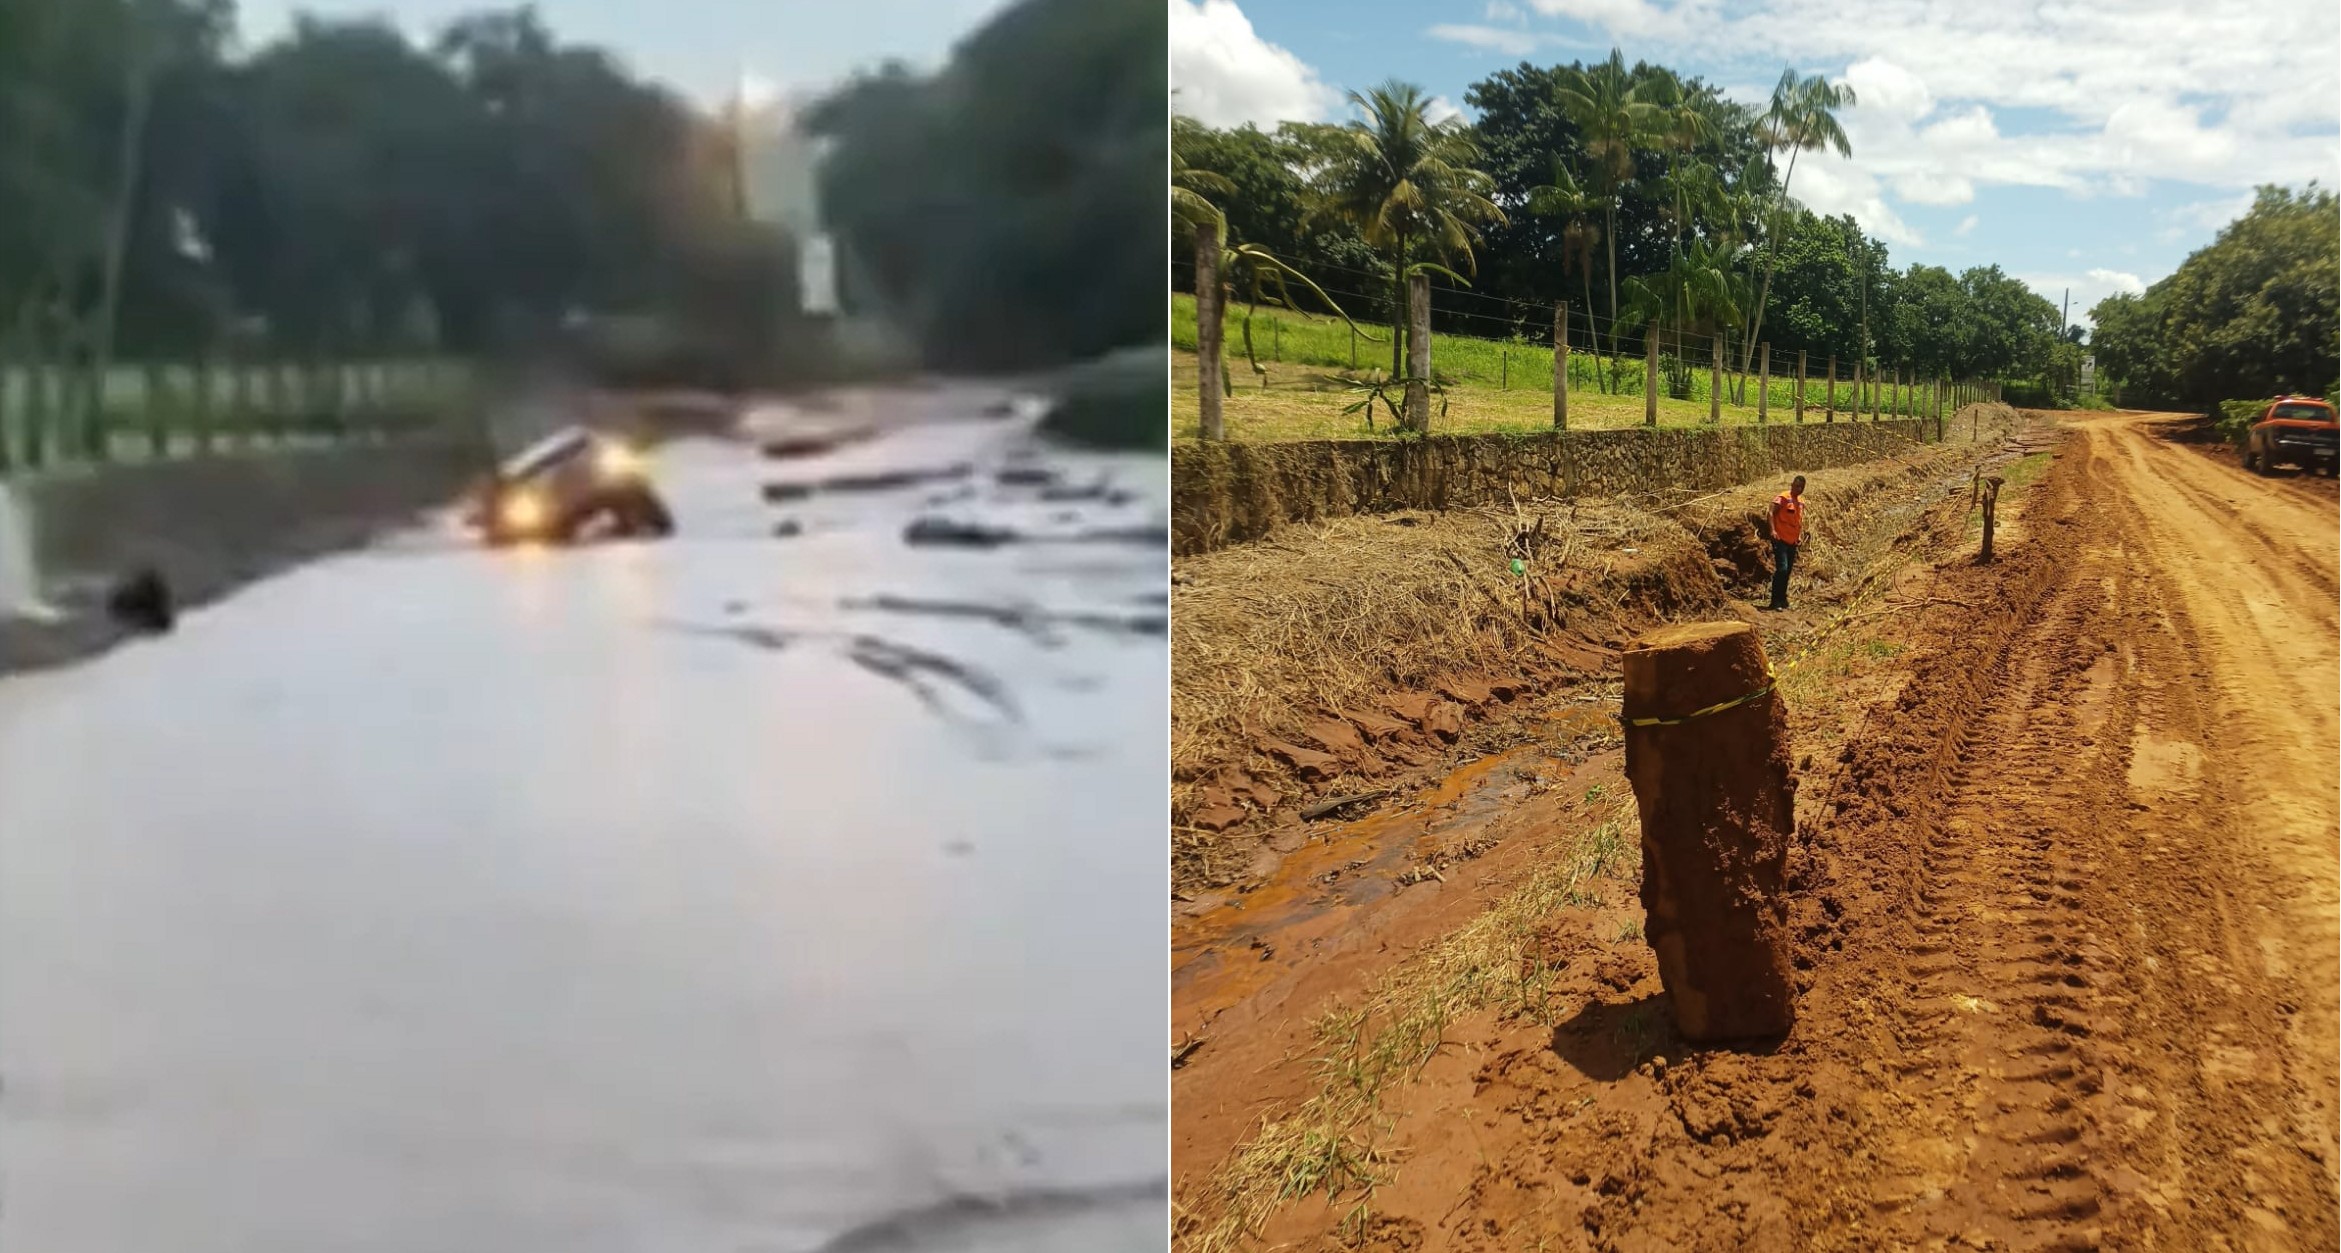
(779, 887)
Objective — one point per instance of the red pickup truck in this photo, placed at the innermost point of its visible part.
(2293, 430)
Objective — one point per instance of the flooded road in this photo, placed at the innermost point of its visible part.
(736, 892)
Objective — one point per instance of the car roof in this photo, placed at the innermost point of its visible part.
(553, 448)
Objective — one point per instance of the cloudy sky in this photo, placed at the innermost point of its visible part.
(702, 47)
(2070, 143)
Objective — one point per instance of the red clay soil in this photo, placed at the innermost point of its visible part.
(2067, 939)
(1715, 792)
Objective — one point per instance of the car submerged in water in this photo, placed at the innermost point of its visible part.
(567, 485)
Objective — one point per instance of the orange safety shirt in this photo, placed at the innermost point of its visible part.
(1788, 518)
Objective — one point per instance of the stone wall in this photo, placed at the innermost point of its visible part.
(1228, 493)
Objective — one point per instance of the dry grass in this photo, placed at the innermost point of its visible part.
(1328, 615)
(1497, 961)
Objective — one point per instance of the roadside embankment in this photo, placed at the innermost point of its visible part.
(1227, 493)
(208, 525)
(1339, 658)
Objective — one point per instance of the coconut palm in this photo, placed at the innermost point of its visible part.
(1405, 183)
(1802, 118)
(1567, 199)
(1190, 188)
(1699, 291)
(1614, 116)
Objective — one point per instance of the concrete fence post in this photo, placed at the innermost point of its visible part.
(1716, 799)
(1561, 366)
(1763, 382)
(1829, 414)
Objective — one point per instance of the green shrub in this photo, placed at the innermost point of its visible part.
(2236, 418)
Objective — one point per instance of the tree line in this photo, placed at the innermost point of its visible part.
(1643, 198)
(2254, 313)
(495, 190)
(343, 191)
(1007, 210)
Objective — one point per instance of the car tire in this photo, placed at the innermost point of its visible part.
(643, 514)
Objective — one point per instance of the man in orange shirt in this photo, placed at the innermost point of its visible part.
(1788, 531)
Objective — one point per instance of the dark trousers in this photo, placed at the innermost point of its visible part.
(1783, 561)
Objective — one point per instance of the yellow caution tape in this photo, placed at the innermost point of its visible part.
(1734, 703)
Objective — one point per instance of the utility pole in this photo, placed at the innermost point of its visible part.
(141, 65)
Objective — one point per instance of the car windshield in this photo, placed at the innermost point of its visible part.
(2313, 413)
(545, 453)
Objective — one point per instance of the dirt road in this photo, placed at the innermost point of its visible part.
(2068, 936)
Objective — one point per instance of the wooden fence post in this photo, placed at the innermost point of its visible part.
(1875, 395)
(239, 397)
(152, 388)
(1829, 414)
(1504, 368)
(206, 403)
(1800, 386)
(1418, 352)
(1207, 332)
(1650, 377)
(1715, 380)
(1763, 382)
(1561, 366)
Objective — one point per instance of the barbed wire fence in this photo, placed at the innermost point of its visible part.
(1522, 345)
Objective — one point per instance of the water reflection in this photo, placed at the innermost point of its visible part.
(432, 898)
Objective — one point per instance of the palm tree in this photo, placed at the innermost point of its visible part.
(1689, 193)
(1404, 182)
(1803, 118)
(1565, 198)
(1614, 116)
(1189, 188)
(1699, 292)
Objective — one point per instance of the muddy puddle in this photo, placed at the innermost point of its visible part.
(727, 892)
(1332, 886)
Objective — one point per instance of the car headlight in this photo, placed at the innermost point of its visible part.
(522, 512)
(616, 461)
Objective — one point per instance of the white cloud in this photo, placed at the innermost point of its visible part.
(1441, 109)
(2120, 281)
(1517, 43)
(2112, 97)
(2087, 288)
(1224, 74)
(1966, 226)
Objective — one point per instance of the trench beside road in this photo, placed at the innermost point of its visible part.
(764, 887)
(2067, 919)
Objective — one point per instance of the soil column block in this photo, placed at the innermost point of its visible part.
(1718, 807)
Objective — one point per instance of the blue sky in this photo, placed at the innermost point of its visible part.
(702, 47)
(2070, 145)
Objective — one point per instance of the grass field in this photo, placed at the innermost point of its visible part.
(1491, 385)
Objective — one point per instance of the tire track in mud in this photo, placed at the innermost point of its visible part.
(2060, 937)
(2035, 1018)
